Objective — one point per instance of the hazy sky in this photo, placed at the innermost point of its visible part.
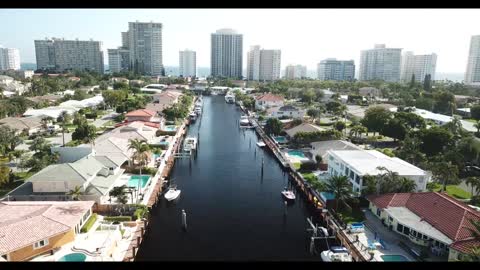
(305, 36)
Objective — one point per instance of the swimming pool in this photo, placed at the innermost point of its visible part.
(296, 153)
(73, 257)
(280, 139)
(327, 195)
(133, 181)
(170, 128)
(394, 258)
(155, 156)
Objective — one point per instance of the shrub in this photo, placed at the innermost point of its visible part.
(119, 118)
(145, 170)
(118, 219)
(86, 227)
(308, 166)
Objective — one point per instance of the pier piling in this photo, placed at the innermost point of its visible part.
(184, 219)
(286, 205)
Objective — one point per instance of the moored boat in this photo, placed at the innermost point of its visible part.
(336, 254)
(288, 194)
(172, 193)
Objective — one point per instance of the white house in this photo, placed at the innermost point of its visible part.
(357, 163)
(268, 100)
(285, 111)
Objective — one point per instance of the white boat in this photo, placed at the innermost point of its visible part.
(172, 194)
(336, 254)
(244, 120)
(288, 194)
(261, 144)
(190, 144)
(193, 116)
(229, 98)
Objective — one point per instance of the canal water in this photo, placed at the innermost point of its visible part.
(233, 212)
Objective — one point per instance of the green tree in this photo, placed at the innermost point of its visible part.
(314, 113)
(376, 118)
(475, 112)
(427, 82)
(410, 150)
(273, 126)
(119, 193)
(85, 133)
(369, 185)
(357, 130)
(39, 144)
(341, 188)
(444, 102)
(339, 125)
(79, 95)
(64, 118)
(391, 182)
(4, 175)
(75, 193)
(8, 139)
(435, 140)
(410, 120)
(394, 129)
(444, 173)
(412, 82)
(307, 96)
(474, 182)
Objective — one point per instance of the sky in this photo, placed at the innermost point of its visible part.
(305, 36)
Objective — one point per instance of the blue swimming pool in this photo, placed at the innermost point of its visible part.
(394, 258)
(327, 195)
(280, 139)
(296, 153)
(73, 257)
(170, 128)
(133, 181)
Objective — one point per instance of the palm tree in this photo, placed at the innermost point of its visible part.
(474, 182)
(141, 150)
(390, 182)
(64, 118)
(75, 193)
(341, 188)
(444, 172)
(119, 193)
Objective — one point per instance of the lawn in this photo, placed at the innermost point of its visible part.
(356, 215)
(296, 165)
(454, 191)
(309, 177)
(89, 223)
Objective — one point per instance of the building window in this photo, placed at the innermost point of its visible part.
(379, 212)
(390, 218)
(400, 228)
(406, 230)
(419, 235)
(40, 244)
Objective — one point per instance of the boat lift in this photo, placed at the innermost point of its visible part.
(315, 235)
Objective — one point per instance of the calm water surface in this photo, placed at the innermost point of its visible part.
(233, 213)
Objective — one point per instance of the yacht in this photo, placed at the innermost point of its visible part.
(261, 144)
(193, 116)
(190, 144)
(172, 193)
(336, 254)
(288, 194)
(230, 98)
(244, 120)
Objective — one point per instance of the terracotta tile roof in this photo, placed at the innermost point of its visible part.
(24, 223)
(465, 246)
(269, 97)
(149, 124)
(446, 214)
(142, 112)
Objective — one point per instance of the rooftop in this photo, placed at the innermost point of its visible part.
(366, 162)
(444, 213)
(21, 123)
(24, 223)
(142, 112)
(305, 127)
(321, 148)
(269, 97)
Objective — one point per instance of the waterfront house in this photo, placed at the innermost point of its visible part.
(286, 111)
(321, 148)
(465, 112)
(50, 99)
(167, 97)
(357, 163)
(304, 127)
(29, 229)
(431, 219)
(134, 130)
(268, 100)
(441, 119)
(141, 115)
(27, 125)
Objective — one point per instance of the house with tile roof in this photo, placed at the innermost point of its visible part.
(431, 219)
(287, 111)
(144, 115)
(357, 163)
(29, 229)
(304, 127)
(28, 125)
(134, 130)
(268, 100)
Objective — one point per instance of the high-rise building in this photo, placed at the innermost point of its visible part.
(64, 55)
(227, 54)
(418, 66)
(472, 76)
(336, 70)
(295, 72)
(125, 39)
(380, 63)
(119, 59)
(263, 65)
(145, 45)
(188, 63)
(9, 59)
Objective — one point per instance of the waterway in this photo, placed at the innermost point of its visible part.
(233, 211)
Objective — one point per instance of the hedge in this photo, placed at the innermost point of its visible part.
(119, 218)
(86, 227)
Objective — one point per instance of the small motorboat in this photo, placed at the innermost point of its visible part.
(336, 254)
(172, 193)
(288, 194)
(260, 144)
